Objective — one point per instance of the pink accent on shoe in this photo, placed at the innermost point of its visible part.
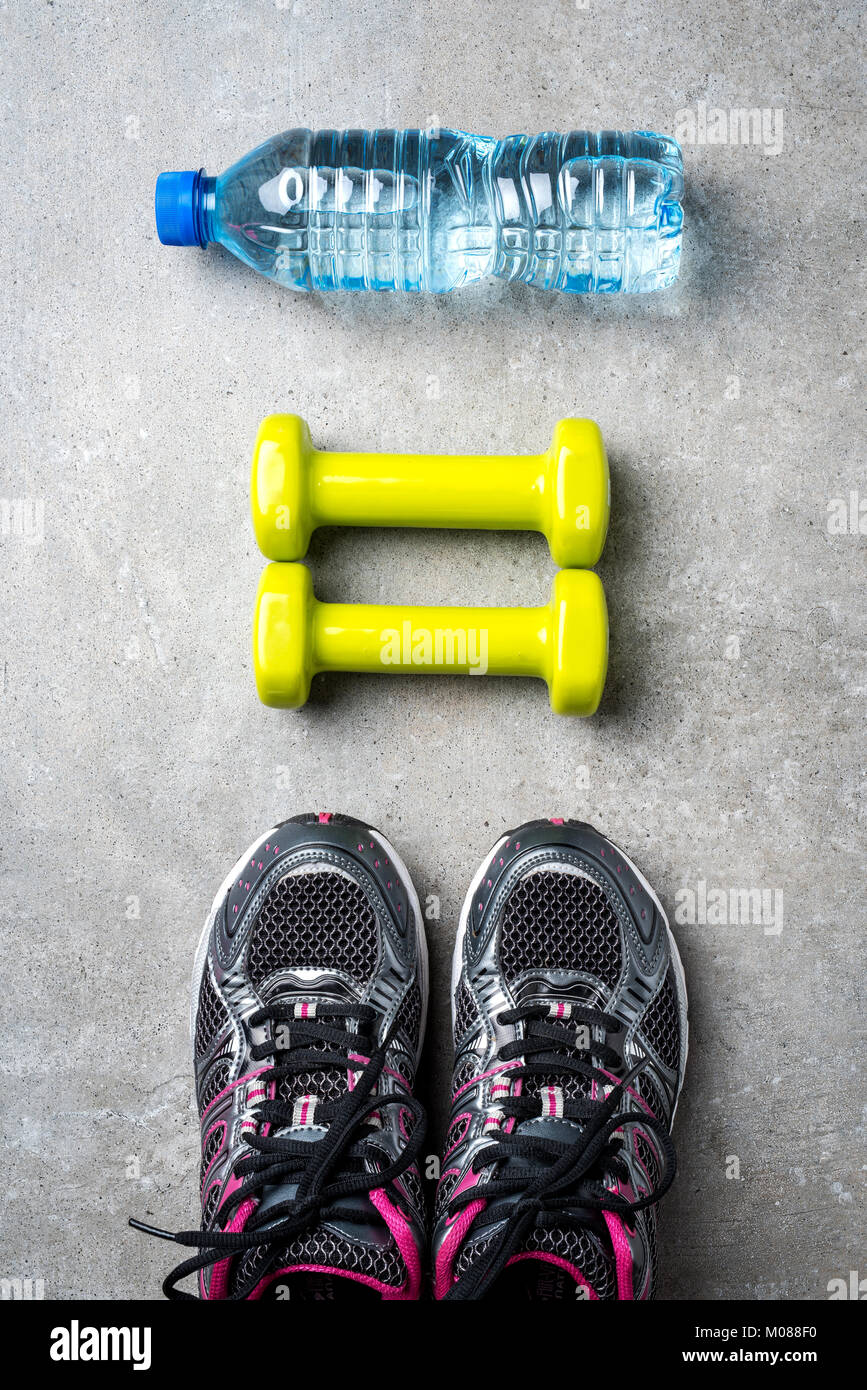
(272, 1095)
(517, 1087)
(470, 1179)
(352, 1076)
(554, 1102)
(556, 820)
(622, 1256)
(446, 1173)
(231, 1186)
(464, 1116)
(452, 1243)
(226, 1089)
(396, 1076)
(636, 1134)
(630, 1091)
(405, 1241)
(219, 1124)
(324, 817)
(220, 1276)
(557, 1260)
(507, 1066)
(387, 1071)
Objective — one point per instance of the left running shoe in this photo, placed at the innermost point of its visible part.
(307, 1018)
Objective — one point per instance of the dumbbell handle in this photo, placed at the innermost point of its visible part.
(488, 492)
(563, 492)
(565, 642)
(383, 638)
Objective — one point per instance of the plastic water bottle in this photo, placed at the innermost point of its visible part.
(588, 212)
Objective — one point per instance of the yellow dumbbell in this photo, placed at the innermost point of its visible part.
(564, 493)
(565, 642)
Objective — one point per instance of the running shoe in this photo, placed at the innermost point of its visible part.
(570, 1033)
(307, 1017)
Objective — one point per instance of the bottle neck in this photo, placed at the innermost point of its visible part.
(204, 207)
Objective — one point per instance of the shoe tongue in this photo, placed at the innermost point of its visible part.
(333, 1250)
(559, 1084)
(337, 1248)
(572, 1260)
(306, 1092)
(539, 989)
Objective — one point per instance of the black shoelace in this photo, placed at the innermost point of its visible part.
(325, 1170)
(563, 1183)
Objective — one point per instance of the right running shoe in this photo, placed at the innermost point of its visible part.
(570, 1032)
(308, 1013)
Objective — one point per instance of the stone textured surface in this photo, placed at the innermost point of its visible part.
(137, 761)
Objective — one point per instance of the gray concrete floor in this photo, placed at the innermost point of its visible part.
(137, 761)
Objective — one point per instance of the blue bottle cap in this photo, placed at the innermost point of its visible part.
(176, 205)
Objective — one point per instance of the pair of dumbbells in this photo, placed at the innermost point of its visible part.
(564, 493)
